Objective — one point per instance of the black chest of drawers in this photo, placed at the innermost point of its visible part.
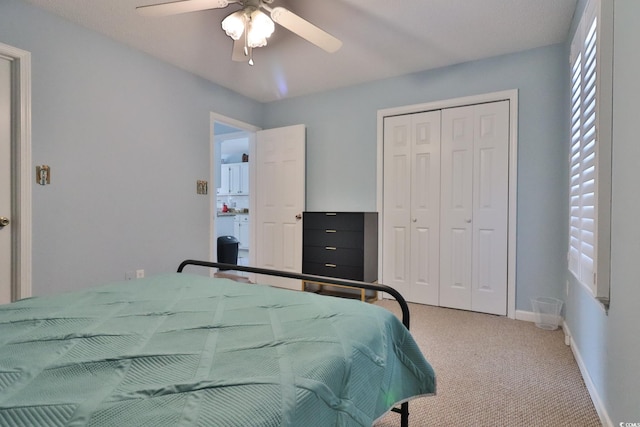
(340, 244)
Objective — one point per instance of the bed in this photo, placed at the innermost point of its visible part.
(184, 349)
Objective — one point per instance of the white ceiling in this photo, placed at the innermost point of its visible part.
(381, 38)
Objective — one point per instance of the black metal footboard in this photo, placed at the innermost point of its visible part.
(404, 408)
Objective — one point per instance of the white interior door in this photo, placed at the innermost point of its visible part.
(280, 201)
(5, 180)
(474, 206)
(411, 205)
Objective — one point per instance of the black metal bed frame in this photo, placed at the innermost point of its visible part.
(404, 407)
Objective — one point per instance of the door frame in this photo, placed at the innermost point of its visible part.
(213, 118)
(508, 95)
(21, 252)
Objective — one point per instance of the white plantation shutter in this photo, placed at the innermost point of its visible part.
(584, 157)
(575, 202)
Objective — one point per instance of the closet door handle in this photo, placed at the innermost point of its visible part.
(468, 220)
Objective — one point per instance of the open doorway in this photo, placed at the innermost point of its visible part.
(232, 145)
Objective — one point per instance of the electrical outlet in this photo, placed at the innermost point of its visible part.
(139, 274)
(129, 275)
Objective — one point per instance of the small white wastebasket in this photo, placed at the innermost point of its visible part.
(547, 312)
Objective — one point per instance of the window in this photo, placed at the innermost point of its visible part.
(590, 154)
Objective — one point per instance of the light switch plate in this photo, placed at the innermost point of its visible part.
(43, 175)
(202, 187)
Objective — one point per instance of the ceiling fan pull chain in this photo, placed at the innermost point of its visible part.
(246, 42)
(248, 51)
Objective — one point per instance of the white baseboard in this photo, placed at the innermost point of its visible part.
(593, 392)
(530, 316)
(527, 316)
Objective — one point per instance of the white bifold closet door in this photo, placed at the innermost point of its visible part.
(474, 207)
(445, 206)
(412, 205)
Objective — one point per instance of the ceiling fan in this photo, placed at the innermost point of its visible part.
(249, 27)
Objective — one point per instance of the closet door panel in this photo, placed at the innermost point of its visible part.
(399, 244)
(491, 159)
(411, 205)
(397, 209)
(425, 207)
(456, 207)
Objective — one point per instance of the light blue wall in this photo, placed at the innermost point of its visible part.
(341, 148)
(609, 345)
(126, 137)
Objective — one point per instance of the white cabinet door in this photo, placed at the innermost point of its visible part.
(234, 179)
(243, 187)
(241, 230)
(225, 179)
(224, 226)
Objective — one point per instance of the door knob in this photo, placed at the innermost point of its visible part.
(415, 220)
(468, 220)
(4, 221)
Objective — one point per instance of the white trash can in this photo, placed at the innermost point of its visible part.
(547, 312)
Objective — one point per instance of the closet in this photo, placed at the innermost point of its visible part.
(445, 206)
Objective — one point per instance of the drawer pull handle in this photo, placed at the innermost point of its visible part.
(330, 214)
(330, 265)
(329, 231)
(330, 248)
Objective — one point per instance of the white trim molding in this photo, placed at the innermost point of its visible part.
(512, 97)
(245, 127)
(21, 251)
(605, 419)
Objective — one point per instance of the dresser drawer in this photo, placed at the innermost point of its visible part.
(333, 255)
(352, 221)
(332, 237)
(333, 270)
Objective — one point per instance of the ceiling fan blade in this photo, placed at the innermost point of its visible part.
(305, 29)
(181, 6)
(238, 51)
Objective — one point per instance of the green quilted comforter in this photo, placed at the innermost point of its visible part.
(187, 350)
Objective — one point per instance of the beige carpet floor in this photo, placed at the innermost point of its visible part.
(494, 371)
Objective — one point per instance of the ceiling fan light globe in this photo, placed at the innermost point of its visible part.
(262, 23)
(260, 29)
(233, 25)
(256, 41)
